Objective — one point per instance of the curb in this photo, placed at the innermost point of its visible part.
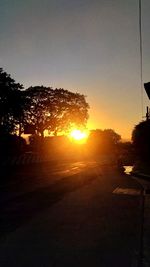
(143, 180)
(140, 175)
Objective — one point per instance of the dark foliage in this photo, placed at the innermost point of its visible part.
(141, 140)
(54, 110)
(103, 140)
(11, 103)
(39, 108)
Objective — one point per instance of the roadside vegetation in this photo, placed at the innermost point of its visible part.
(47, 115)
(141, 145)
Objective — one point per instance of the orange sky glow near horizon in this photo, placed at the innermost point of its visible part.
(89, 47)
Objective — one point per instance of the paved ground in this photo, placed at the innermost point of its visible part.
(145, 259)
(146, 233)
(87, 216)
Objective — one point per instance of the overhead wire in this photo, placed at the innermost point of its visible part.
(141, 54)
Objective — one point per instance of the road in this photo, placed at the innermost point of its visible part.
(70, 214)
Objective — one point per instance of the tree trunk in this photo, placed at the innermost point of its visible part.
(20, 129)
(42, 134)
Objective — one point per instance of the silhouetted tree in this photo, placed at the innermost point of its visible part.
(103, 140)
(111, 137)
(141, 139)
(125, 148)
(55, 110)
(11, 103)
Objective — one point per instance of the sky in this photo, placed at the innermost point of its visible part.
(85, 46)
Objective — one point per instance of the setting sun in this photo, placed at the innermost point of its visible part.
(78, 135)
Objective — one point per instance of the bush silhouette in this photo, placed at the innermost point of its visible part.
(141, 140)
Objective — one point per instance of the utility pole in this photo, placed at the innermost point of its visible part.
(147, 113)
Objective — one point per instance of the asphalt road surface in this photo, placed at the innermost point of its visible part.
(72, 215)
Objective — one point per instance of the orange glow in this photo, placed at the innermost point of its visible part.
(78, 135)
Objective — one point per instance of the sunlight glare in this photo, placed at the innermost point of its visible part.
(79, 135)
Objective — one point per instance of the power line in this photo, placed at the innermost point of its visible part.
(141, 53)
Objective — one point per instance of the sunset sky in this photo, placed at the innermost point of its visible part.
(88, 46)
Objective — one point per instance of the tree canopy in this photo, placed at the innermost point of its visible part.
(11, 102)
(103, 140)
(55, 110)
(39, 108)
(141, 139)
(108, 136)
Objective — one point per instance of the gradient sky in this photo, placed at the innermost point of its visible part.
(88, 46)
